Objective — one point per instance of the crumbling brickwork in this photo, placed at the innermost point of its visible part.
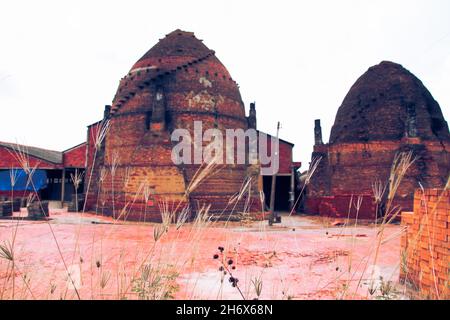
(425, 244)
(387, 112)
(75, 157)
(175, 83)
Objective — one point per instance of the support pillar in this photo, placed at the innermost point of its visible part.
(292, 190)
(63, 186)
(273, 215)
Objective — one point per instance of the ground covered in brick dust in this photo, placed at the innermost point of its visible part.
(304, 257)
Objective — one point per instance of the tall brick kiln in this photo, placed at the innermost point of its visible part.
(388, 110)
(177, 81)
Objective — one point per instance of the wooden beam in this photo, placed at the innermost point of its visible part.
(63, 186)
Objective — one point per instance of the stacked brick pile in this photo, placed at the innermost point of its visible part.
(425, 244)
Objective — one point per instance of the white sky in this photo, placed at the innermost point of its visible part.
(61, 61)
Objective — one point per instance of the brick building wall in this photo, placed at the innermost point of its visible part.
(93, 159)
(425, 247)
(361, 206)
(285, 155)
(75, 157)
(352, 169)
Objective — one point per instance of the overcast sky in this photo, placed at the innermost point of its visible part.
(61, 61)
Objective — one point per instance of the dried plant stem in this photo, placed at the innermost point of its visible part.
(312, 169)
(21, 155)
(400, 166)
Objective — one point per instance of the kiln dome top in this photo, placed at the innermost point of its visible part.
(382, 102)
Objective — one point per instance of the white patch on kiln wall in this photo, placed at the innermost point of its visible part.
(204, 100)
(206, 83)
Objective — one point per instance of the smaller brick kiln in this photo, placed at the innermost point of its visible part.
(387, 111)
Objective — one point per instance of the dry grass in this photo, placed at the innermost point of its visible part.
(157, 265)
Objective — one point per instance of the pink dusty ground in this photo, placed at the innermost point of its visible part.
(303, 258)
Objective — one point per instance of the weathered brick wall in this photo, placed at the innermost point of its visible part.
(285, 155)
(75, 157)
(195, 87)
(425, 244)
(352, 168)
(346, 206)
(94, 163)
(357, 166)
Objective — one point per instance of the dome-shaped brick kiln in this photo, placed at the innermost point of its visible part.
(177, 82)
(387, 111)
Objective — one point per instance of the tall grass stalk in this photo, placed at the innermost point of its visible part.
(77, 179)
(402, 162)
(115, 159)
(21, 155)
(13, 174)
(310, 173)
(97, 136)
